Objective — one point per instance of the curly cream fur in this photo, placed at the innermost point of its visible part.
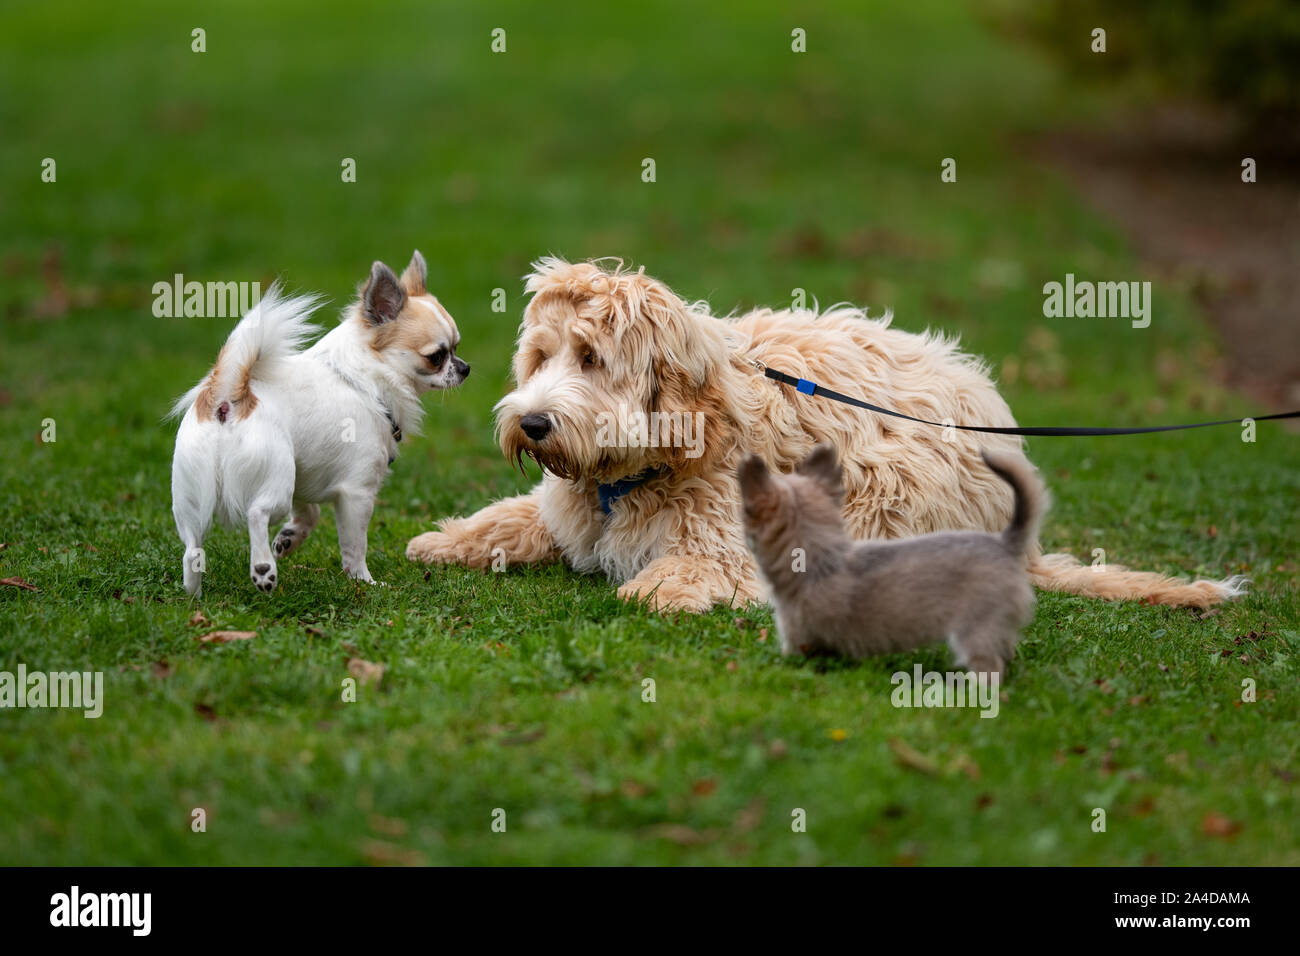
(595, 339)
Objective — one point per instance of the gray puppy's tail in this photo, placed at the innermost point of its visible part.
(1031, 498)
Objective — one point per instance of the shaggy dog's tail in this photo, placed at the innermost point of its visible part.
(1031, 499)
(1062, 572)
(1114, 582)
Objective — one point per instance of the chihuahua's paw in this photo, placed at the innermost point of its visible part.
(360, 574)
(287, 541)
(438, 547)
(263, 576)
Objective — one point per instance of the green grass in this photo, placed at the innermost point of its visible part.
(522, 690)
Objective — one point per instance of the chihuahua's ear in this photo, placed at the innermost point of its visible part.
(823, 466)
(383, 297)
(755, 480)
(416, 275)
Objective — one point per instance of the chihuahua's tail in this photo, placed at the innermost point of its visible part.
(1031, 499)
(274, 329)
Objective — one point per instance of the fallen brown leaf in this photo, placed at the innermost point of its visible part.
(18, 583)
(225, 637)
(1217, 825)
(750, 816)
(908, 855)
(198, 619)
(365, 671)
(704, 788)
(681, 834)
(389, 826)
(380, 853)
(912, 758)
(966, 765)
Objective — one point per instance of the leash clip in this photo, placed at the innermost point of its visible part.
(758, 365)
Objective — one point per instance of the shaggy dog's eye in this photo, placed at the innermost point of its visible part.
(436, 358)
(589, 359)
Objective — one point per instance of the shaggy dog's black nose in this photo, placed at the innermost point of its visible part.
(535, 427)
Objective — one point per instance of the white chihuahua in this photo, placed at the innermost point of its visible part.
(272, 430)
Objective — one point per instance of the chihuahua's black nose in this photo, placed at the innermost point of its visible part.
(535, 427)
(462, 368)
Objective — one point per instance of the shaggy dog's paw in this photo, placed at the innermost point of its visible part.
(438, 547)
(668, 594)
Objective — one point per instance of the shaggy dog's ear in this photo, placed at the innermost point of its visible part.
(416, 275)
(688, 368)
(382, 297)
(823, 466)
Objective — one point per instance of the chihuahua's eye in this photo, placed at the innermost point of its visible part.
(436, 358)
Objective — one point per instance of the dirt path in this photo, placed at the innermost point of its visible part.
(1173, 182)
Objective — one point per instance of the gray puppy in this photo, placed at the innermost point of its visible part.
(857, 598)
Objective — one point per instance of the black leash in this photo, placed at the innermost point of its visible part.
(812, 388)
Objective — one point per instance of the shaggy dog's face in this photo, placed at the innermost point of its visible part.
(610, 368)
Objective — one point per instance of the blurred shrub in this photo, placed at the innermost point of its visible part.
(1243, 53)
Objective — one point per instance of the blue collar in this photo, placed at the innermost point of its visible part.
(610, 493)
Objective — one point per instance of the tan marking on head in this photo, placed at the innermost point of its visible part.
(415, 276)
(423, 322)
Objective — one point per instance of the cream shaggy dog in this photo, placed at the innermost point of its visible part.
(657, 508)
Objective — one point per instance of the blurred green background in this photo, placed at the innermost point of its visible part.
(775, 171)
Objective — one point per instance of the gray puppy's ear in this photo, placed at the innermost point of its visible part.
(382, 297)
(823, 466)
(416, 275)
(754, 477)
